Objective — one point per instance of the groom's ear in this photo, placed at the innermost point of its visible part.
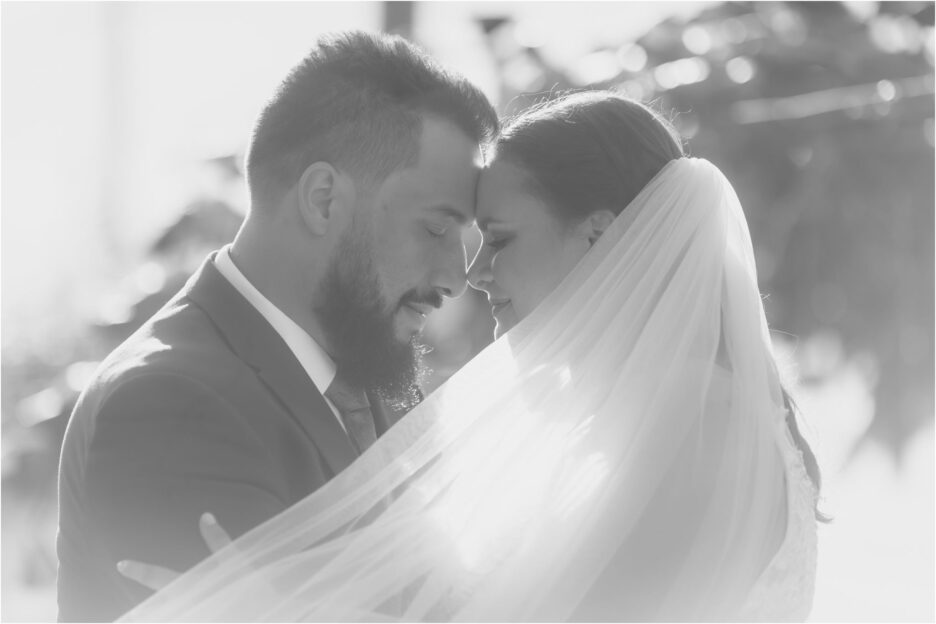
(323, 193)
(596, 223)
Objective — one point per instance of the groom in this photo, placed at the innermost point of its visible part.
(246, 392)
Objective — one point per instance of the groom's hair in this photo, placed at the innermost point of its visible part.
(357, 101)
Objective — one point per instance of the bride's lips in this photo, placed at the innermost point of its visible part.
(497, 305)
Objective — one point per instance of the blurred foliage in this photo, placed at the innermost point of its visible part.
(821, 114)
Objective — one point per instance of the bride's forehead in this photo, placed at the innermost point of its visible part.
(500, 183)
(506, 190)
(502, 173)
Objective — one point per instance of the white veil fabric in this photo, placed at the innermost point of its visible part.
(613, 457)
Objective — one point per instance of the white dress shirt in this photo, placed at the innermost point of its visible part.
(312, 357)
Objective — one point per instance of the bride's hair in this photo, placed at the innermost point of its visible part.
(596, 150)
(589, 150)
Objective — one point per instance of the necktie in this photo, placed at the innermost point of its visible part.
(355, 411)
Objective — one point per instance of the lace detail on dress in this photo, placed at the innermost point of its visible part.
(784, 591)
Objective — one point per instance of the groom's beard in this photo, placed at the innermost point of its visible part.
(360, 327)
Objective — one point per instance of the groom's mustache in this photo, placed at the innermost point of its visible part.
(414, 297)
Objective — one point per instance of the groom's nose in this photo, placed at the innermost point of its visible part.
(448, 276)
(479, 273)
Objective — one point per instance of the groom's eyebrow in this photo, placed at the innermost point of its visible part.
(460, 217)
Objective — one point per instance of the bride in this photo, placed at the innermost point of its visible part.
(624, 450)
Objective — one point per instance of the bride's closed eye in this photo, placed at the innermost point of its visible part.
(497, 243)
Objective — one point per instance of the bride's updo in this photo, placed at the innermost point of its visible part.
(596, 150)
(586, 151)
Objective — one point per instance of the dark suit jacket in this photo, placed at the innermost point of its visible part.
(204, 408)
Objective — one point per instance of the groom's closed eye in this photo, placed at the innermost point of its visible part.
(437, 229)
(442, 219)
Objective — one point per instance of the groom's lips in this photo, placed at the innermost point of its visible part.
(418, 313)
(420, 308)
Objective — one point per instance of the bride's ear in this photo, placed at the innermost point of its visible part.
(596, 223)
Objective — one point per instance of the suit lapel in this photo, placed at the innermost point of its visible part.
(255, 341)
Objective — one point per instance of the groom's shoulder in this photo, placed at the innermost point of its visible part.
(178, 348)
(179, 338)
(172, 377)
(182, 337)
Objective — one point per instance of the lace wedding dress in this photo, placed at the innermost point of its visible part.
(784, 591)
(624, 443)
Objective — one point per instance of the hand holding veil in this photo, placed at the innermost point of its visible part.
(613, 456)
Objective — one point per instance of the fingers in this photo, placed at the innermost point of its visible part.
(152, 576)
(215, 537)
(156, 577)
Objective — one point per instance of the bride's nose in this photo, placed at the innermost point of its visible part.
(479, 272)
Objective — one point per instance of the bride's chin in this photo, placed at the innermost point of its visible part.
(501, 328)
(505, 317)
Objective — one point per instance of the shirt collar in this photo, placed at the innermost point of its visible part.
(314, 360)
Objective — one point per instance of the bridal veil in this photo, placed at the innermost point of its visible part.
(614, 456)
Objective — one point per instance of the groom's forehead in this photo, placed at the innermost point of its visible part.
(448, 193)
(436, 196)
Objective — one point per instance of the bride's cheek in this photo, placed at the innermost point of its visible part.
(508, 270)
(496, 265)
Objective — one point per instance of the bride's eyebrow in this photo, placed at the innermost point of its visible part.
(486, 222)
